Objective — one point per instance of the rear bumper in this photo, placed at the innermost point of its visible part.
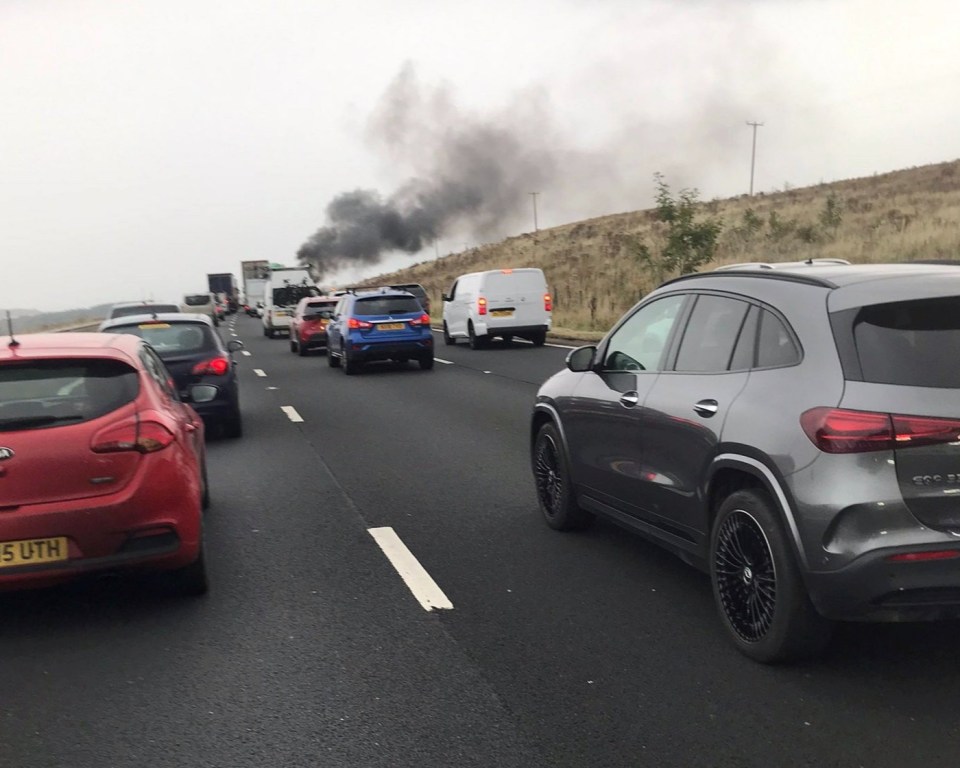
(129, 529)
(504, 329)
(874, 589)
(315, 340)
(363, 352)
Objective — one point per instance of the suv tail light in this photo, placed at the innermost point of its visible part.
(547, 302)
(141, 433)
(217, 366)
(837, 430)
(481, 306)
(424, 319)
(361, 324)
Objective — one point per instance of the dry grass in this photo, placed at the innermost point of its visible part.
(900, 216)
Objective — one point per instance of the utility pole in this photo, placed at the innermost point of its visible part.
(753, 152)
(536, 227)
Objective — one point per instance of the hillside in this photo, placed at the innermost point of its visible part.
(595, 275)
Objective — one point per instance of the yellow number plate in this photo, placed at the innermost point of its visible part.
(502, 313)
(390, 326)
(32, 551)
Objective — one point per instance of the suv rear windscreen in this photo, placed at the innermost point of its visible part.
(911, 343)
(387, 305)
(199, 300)
(51, 393)
(171, 339)
(143, 309)
(315, 308)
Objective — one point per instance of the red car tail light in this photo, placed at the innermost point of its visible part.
(361, 324)
(424, 319)
(837, 430)
(481, 306)
(141, 433)
(548, 302)
(217, 366)
(920, 557)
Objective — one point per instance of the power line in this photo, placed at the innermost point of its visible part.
(753, 152)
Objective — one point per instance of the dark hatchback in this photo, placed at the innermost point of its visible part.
(201, 365)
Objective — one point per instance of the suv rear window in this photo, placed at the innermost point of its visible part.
(142, 309)
(199, 300)
(51, 393)
(387, 305)
(171, 338)
(314, 308)
(910, 343)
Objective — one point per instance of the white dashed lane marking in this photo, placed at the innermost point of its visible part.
(414, 575)
(292, 414)
(259, 372)
(445, 362)
(247, 354)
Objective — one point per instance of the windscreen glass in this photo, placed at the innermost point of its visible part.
(171, 339)
(51, 393)
(387, 305)
(912, 343)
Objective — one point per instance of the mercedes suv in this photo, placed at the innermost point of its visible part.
(793, 430)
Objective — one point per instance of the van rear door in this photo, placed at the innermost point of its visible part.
(516, 297)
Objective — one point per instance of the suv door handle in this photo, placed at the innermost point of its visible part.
(629, 399)
(706, 408)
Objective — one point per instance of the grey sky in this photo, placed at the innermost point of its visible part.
(146, 143)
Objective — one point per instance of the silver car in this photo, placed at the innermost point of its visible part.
(792, 429)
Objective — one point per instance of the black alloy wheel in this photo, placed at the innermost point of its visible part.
(757, 584)
(552, 479)
(746, 576)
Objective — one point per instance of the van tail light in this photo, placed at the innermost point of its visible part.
(359, 324)
(837, 430)
(143, 433)
(217, 366)
(423, 320)
(547, 302)
(481, 306)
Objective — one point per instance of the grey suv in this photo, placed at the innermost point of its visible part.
(793, 430)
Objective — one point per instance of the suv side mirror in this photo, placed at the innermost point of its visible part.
(581, 359)
(445, 297)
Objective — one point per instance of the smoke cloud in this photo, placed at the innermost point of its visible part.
(470, 175)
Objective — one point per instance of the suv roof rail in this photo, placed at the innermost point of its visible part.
(783, 264)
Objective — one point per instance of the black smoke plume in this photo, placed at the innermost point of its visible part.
(469, 175)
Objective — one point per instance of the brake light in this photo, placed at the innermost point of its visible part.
(361, 324)
(424, 319)
(547, 302)
(919, 557)
(135, 434)
(837, 430)
(507, 271)
(481, 306)
(218, 366)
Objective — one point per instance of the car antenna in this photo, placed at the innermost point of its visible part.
(13, 342)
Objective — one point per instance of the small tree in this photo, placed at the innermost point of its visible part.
(832, 214)
(690, 243)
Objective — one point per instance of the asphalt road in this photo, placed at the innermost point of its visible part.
(585, 649)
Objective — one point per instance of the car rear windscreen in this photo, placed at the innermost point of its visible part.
(314, 308)
(387, 305)
(51, 393)
(172, 339)
(913, 343)
(199, 300)
(143, 309)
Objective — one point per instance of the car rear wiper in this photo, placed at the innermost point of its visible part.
(26, 422)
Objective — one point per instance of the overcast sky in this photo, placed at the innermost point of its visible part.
(144, 143)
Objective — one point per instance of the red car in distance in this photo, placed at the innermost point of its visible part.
(101, 466)
(308, 326)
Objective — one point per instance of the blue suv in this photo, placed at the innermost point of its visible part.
(385, 324)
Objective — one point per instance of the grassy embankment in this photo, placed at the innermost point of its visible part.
(594, 276)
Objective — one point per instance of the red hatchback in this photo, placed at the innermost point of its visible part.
(101, 466)
(308, 326)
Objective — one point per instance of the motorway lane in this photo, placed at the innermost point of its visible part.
(308, 651)
(606, 649)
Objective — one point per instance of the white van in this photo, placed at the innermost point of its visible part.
(499, 302)
(282, 293)
(201, 304)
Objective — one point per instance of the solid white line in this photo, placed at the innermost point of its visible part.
(414, 575)
(246, 353)
(445, 362)
(292, 414)
(259, 372)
